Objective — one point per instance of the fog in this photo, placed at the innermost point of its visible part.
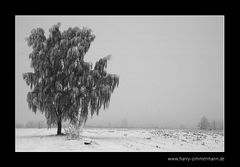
(170, 67)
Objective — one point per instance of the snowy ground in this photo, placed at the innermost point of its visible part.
(121, 140)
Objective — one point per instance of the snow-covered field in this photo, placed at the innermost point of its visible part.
(121, 140)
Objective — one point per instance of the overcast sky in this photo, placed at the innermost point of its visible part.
(170, 67)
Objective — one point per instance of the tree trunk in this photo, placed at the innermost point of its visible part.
(80, 125)
(59, 124)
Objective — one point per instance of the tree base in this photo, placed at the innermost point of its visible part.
(73, 132)
(61, 134)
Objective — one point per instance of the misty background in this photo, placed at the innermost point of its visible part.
(170, 67)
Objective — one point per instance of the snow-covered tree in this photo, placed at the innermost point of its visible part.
(64, 86)
(204, 123)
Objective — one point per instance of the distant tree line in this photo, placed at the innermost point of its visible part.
(204, 124)
(35, 124)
